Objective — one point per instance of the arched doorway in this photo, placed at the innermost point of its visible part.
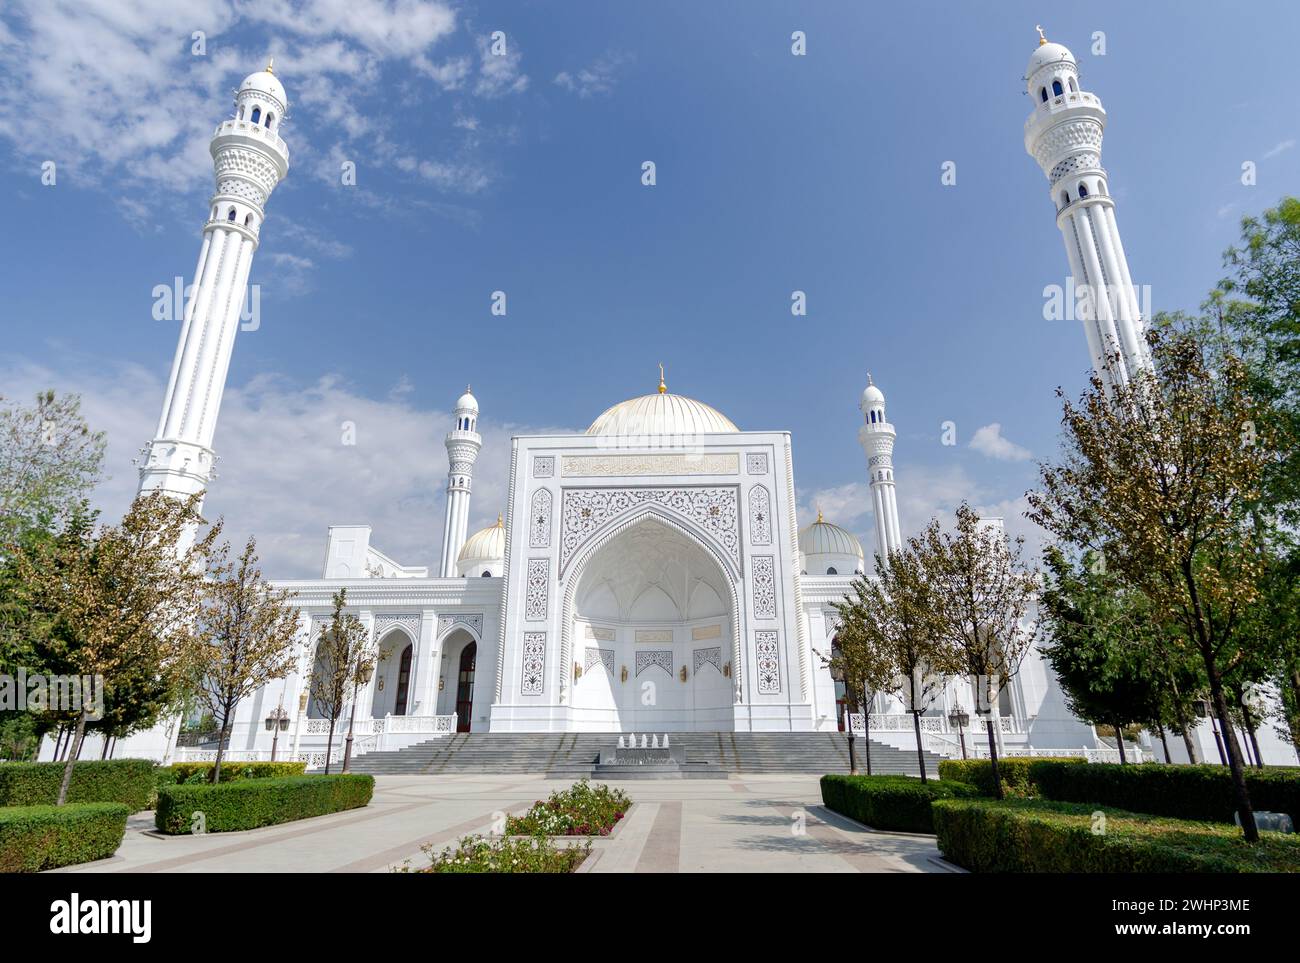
(403, 682)
(465, 687)
(653, 634)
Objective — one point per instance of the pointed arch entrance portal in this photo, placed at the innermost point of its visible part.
(653, 632)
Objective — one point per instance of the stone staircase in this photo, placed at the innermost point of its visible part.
(572, 755)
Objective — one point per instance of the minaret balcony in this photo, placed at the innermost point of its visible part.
(250, 134)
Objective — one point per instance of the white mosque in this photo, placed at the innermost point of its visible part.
(647, 575)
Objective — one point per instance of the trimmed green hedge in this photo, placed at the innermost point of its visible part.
(1183, 792)
(1015, 773)
(126, 781)
(250, 803)
(183, 772)
(890, 802)
(35, 838)
(1036, 836)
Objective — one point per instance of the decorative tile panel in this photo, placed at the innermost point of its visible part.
(760, 516)
(768, 662)
(702, 632)
(756, 463)
(603, 657)
(586, 510)
(763, 579)
(712, 656)
(543, 466)
(534, 662)
(600, 632)
(649, 657)
(539, 520)
(539, 581)
(654, 635)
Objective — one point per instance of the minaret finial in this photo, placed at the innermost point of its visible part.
(499, 525)
(270, 66)
(1042, 38)
(662, 386)
(819, 514)
(869, 381)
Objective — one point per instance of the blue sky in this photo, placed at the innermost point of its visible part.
(476, 173)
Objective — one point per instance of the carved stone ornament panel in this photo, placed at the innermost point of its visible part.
(763, 578)
(760, 516)
(539, 580)
(712, 655)
(534, 662)
(756, 463)
(629, 466)
(600, 632)
(585, 511)
(384, 623)
(543, 466)
(650, 657)
(539, 521)
(768, 662)
(472, 622)
(603, 657)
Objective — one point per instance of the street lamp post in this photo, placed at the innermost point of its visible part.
(276, 722)
(959, 717)
(837, 675)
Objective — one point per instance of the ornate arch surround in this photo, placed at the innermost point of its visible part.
(654, 514)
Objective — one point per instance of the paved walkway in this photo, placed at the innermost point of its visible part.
(768, 823)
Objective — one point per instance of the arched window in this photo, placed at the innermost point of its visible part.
(1057, 90)
(240, 116)
(831, 571)
(403, 682)
(1074, 88)
(248, 220)
(1043, 92)
(257, 115)
(1083, 190)
(231, 215)
(270, 119)
(1065, 198)
(487, 575)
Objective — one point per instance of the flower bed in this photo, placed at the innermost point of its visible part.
(580, 810)
(474, 854)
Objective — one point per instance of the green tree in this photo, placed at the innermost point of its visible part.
(981, 592)
(118, 603)
(857, 658)
(343, 662)
(243, 639)
(1160, 476)
(50, 461)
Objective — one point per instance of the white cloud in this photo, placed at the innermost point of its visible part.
(989, 441)
(597, 78)
(498, 73)
(1279, 148)
(284, 474)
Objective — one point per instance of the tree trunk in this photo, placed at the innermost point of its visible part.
(1165, 742)
(352, 721)
(993, 761)
(1249, 721)
(1119, 741)
(1244, 810)
(920, 753)
(329, 747)
(221, 747)
(58, 743)
(72, 759)
(103, 752)
(866, 735)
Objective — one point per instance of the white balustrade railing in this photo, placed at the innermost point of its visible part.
(902, 722)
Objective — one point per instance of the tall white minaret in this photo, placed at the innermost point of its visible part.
(1064, 135)
(463, 443)
(249, 159)
(877, 439)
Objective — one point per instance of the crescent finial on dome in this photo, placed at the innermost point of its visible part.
(270, 66)
(662, 386)
(1042, 37)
